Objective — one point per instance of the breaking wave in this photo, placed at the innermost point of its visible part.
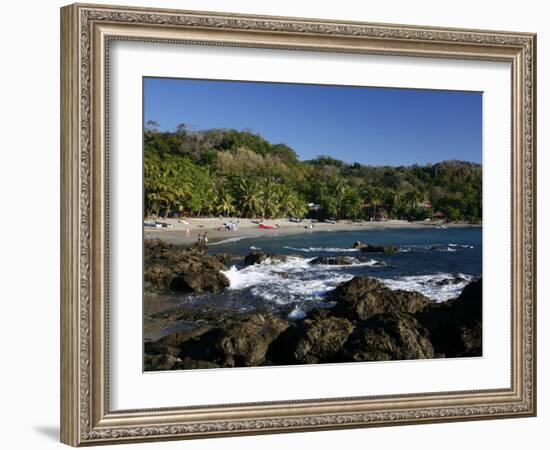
(297, 284)
(439, 287)
(283, 283)
(321, 249)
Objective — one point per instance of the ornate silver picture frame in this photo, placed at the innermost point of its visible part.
(87, 32)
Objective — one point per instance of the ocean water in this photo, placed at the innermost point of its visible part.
(435, 262)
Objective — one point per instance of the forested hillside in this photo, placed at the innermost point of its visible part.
(239, 173)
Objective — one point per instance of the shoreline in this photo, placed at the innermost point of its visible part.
(186, 231)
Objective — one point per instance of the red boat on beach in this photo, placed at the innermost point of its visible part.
(264, 226)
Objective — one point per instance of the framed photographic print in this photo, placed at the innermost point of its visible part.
(276, 224)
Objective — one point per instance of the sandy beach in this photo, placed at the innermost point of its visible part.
(186, 231)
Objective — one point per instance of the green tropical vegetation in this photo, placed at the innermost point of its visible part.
(239, 173)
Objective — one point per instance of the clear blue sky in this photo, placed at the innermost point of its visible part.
(378, 126)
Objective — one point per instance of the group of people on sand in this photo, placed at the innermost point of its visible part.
(202, 239)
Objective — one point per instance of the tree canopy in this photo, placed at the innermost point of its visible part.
(239, 173)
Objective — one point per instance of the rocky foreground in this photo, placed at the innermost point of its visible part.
(369, 322)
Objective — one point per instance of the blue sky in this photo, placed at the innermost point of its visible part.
(378, 126)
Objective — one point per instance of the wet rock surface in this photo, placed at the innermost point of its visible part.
(257, 257)
(334, 260)
(368, 248)
(369, 322)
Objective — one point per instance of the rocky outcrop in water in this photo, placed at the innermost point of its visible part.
(181, 269)
(334, 260)
(345, 261)
(368, 248)
(363, 297)
(455, 326)
(369, 322)
(257, 257)
(201, 277)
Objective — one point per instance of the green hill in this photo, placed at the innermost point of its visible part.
(239, 173)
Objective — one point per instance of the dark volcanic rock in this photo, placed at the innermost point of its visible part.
(192, 364)
(389, 336)
(245, 343)
(374, 263)
(199, 281)
(357, 244)
(171, 344)
(318, 338)
(257, 257)
(449, 281)
(379, 248)
(157, 277)
(236, 342)
(368, 248)
(469, 302)
(160, 362)
(455, 326)
(369, 322)
(181, 269)
(363, 297)
(334, 260)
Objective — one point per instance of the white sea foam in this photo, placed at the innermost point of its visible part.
(321, 249)
(297, 282)
(446, 249)
(434, 247)
(292, 281)
(461, 245)
(225, 241)
(297, 313)
(439, 287)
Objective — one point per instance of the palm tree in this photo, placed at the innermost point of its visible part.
(340, 190)
(210, 194)
(413, 199)
(290, 203)
(373, 196)
(250, 193)
(375, 201)
(396, 202)
(225, 204)
(296, 205)
(270, 201)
